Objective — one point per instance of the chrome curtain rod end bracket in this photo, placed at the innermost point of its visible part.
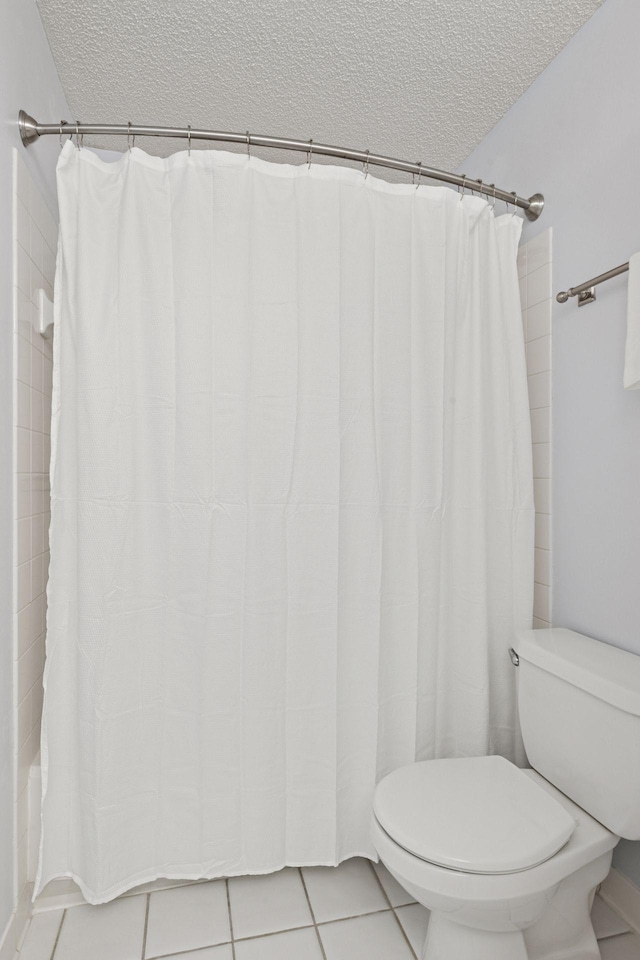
(586, 296)
(536, 206)
(28, 128)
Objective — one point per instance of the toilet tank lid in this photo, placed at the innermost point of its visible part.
(604, 671)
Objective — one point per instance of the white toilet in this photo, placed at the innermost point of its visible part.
(508, 860)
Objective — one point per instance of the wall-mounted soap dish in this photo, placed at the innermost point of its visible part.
(43, 319)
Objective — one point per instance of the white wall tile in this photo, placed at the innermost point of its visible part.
(23, 540)
(23, 405)
(23, 450)
(542, 494)
(538, 251)
(22, 271)
(539, 320)
(23, 596)
(538, 355)
(23, 359)
(542, 570)
(543, 531)
(542, 460)
(28, 627)
(539, 285)
(542, 601)
(539, 624)
(541, 425)
(539, 389)
(34, 262)
(23, 496)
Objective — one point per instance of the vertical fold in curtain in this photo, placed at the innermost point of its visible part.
(292, 511)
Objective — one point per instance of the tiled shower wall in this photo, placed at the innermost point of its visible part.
(35, 237)
(534, 271)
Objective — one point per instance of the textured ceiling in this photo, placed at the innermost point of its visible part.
(416, 79)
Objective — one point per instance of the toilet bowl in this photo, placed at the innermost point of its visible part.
(535, 912)
(507, 861)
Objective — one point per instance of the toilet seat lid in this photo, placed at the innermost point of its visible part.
(476, 815)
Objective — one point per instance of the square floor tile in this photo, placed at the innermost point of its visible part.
(376, 937)
(184, 918)
(624, 947)
(398, 896)
(225, 952)
(294, 945)
(110, 931)
(415, 920)
(41, 935)
(606, 921)
(345, 891)
(267, 904)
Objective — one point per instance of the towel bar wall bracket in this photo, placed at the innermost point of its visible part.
(586, 292)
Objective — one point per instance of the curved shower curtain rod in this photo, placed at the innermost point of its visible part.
(30, 130)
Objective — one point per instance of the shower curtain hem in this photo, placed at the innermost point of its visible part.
(125, 886)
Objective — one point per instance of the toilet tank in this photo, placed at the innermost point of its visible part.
(579, 706)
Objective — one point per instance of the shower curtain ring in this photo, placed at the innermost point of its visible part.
(309, 152)
(464, 180)
(493, 205)
(78, 134)
(515, 202)
(62, 123)
(129, 136)
(188, 139)
(366, 165)
(248, 145)
(419, 175)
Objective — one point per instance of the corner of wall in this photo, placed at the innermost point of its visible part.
(535, 274)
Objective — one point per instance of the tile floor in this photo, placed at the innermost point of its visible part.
(353, 912)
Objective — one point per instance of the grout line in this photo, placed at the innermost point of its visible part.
(146, 926)
(190, 950)
(313, 916)
(355, 916)
(55, 945)
(618, 936)
(233, 947)
(274, 933)
(393, 909)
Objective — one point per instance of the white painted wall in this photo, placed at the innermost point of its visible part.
(575, 136)
(28, 79)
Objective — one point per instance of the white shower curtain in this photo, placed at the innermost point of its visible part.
(292, 512)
